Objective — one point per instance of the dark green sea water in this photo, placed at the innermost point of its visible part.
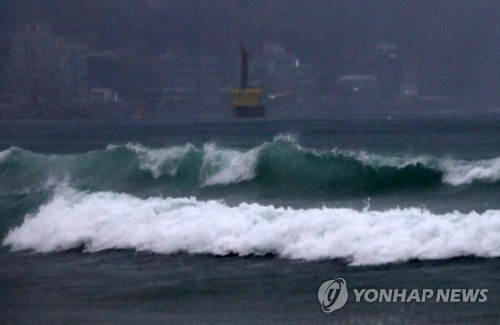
(242, 221)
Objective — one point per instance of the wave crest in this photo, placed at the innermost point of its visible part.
(274, 168)
(106, 220)
(228, 166)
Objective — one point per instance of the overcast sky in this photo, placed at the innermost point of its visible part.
(454, 43)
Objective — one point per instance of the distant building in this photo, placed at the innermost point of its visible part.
(47, 68)
(388, 69)
(102, 95)
(358, 86)
(409, 87)
(306, 81)
(180, 79)
(103, 76)
(281, 74)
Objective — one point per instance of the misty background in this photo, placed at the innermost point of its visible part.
(453, 44)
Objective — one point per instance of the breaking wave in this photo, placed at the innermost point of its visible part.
(106, 220)
(279, 167)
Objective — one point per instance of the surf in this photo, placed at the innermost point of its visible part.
(107, 221)
(277, 167)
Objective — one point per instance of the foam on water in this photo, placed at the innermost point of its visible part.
(158, 160)
(5, 153)
(455, 172)
(228, 166)
(280, 161)
(464, 172)
(106, 220)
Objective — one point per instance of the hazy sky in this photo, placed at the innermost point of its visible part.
(453, 43)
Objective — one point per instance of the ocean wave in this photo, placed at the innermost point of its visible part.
(158, 161)
(276, 167)
(224, 166)
(5, 153)
(459, 172)
(105, 220)
(455, 172)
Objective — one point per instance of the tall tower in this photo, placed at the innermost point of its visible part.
(246, 100)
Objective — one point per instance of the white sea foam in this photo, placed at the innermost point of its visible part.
(287, 138)
(5, 153)
(465, 172)
(389, 161)
(455, 172)
(106, 220)
(224, 166)
(159, 160)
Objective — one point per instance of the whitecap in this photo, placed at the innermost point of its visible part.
(226, 166)
(106, 220)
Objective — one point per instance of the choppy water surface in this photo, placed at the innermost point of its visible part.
(222, 221)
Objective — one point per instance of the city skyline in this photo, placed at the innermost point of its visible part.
(453, 45)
